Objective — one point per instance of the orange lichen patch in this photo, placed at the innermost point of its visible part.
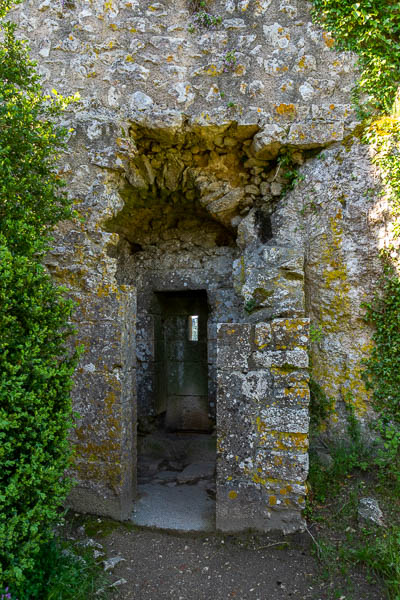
(170, 58)
(286, 109)
(302, 63)
(114, 27)
(272, 500)
(232, 495)
(328, 39)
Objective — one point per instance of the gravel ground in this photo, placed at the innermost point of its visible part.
(160, 565)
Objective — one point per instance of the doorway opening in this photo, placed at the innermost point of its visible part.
(176, 444)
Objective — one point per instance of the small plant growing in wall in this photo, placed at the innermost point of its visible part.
(230, 61)
(202, 19)
(67, 4)
(289, 172)
(316, 333)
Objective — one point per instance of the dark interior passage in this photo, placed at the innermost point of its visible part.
(176, 446)
(181, 360)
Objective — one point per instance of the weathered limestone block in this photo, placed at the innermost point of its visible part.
(233, 346)
(287, 466)
(289, 358)
(271, 281)
(263, 420)
(266, 143)
(105, 398)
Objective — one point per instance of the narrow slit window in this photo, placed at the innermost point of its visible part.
(193, 328)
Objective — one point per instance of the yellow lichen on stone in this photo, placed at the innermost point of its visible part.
(213, 71)
(285, 109)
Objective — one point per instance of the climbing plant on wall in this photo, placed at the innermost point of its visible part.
(370, 28)
(35, 362)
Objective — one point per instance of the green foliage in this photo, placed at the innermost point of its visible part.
(65, 571)
(346, 456)
(250, 305)
(383, 366)
(320, 406)
(30, 198)
(370, 28)
(316, 333)
(381, 554)
(35, 362)
(289, 171)
(382, 374)
(230, 61)
(376, 548)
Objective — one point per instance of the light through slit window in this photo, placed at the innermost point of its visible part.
(193, 328)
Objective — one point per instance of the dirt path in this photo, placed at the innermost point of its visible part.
(159, 565)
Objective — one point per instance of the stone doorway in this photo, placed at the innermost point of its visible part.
(176, 446)
(188, 221)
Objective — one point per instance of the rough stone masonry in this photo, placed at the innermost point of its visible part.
(220, 158)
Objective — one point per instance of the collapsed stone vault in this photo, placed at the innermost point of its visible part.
(179, 171)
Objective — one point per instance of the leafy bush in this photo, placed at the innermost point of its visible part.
(369, 28)
(66, 571)
(35, 362)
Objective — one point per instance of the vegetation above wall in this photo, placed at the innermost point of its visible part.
(369, 28)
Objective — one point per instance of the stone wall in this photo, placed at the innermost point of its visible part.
(262, 416)
(180, 121)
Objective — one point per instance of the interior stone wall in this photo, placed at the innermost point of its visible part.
(166, 120)
(182, 258)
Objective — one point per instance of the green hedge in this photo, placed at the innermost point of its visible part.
(35, 363)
